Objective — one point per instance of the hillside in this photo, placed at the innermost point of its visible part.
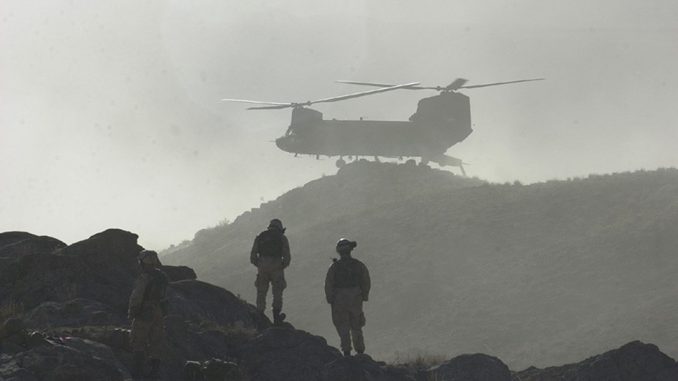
(63, 318)
(538, 275)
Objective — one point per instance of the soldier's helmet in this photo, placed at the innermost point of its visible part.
(148, 257)
(276, 223)
(345, 244)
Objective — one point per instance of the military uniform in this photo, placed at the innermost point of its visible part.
(347, 286)
(271, 255)
(147, 308)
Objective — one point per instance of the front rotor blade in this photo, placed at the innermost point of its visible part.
(414, 87)
(365, 83)
(256, 102)
(278, 107)
(501, 83)
(363, 93)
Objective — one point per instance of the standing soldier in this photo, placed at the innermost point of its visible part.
(271, 255)
(347, 286)
(147, 308)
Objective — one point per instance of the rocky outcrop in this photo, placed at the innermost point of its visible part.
(15, 245)
(632, 362)
(70, 303)
(282, 354)
(67, 309)
(73, 313)
(177, 273)
(475, 367)
(213, 370)
(364, 368)
(30, 355)
(198, 301)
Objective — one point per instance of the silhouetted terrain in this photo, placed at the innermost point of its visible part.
(536, 275)
(62, 318)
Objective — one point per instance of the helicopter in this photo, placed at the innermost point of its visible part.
(439, 122)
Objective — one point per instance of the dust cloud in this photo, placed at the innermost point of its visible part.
(110, 112)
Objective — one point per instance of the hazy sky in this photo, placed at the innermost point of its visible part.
(109, 112)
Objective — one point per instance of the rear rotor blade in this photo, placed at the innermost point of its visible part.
(501, 83)
(456, 84)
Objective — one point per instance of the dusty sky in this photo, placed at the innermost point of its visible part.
(109, 112)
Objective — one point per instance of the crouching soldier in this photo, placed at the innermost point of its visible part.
(271, 255)
(347, 286)
(147, 309)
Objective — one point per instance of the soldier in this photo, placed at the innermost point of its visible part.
(347, 286)
(271, 255)
(147, 308)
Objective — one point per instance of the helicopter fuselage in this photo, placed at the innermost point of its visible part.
(439, 122)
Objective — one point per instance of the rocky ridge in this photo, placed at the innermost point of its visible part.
(63, 309)
(536, 274)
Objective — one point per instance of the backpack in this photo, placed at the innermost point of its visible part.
(347, 273)
(271, 243)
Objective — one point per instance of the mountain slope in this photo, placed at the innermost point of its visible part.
(537, 275)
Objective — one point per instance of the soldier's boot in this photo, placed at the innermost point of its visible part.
(138, 364)
(278, 317)
(347, 353)
(358, 340)
(155, 369)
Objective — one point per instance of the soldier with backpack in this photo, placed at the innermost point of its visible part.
(271, 255)
(347, 286)
(147, 309)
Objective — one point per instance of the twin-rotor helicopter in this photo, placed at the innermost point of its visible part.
(440, 122)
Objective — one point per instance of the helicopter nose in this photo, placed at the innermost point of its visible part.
(283, 143)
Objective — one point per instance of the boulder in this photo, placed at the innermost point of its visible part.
(8, 238)
(197, 301)
(19, 244)
(634, 361)
(281, 354)
(474, 367)
(73, 313)
(101, 268)
(212, 370)
(63, 360)
(177, 273)
(363, 368)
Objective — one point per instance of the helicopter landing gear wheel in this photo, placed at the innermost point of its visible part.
(340, 163)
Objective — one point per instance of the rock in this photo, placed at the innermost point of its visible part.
(193, 371)
(13, 336)
(177, 273)
(199, 301)
(76, 312)
(634, 361)
(475, 367)
(8, 238)
(11, 327)
(280, 354)
(220, 370)
(212, 370)
(115, 338)
(101, 268)
(363, 368)
(19, 244)
(70, 359)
